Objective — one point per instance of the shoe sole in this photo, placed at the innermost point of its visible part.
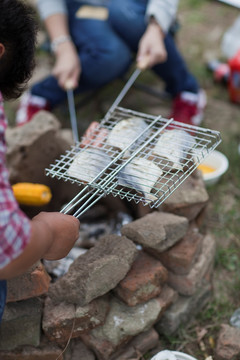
(202, 102)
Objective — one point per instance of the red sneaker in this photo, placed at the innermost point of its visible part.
(29, 106)
(188, 107)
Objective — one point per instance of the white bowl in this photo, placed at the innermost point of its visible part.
(183, 356)
(219, 163)
(176, 355)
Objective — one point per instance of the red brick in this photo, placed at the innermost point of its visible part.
(65, 320)
(188, 284)
(139, 345)
(33, 283)
(143, 282)
(180, 258)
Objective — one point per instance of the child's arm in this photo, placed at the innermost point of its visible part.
(52, 237)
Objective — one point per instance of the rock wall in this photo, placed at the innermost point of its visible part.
(124, 293)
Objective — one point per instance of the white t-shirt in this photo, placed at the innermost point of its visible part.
(164, 11)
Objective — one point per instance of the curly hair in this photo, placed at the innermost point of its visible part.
(18, 30)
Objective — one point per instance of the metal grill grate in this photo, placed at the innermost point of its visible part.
(144, 163)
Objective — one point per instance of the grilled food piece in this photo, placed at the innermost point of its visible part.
(125, 132)
(94, 136)
(88, 164)
(174, 146)
(141, 175)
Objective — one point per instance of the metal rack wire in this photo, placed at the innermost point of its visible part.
(136, 172)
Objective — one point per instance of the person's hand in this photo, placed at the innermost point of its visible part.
(67, 68)
(151, 48)
(64, 229)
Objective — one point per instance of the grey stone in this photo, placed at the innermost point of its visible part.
(42, 352)
(31, 144)
(96, 272)
(184, 309)
(189, 199)
(156, 232)
(33, 147)
(21, 324)
(121, 325)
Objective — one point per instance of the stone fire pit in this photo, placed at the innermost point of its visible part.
(126, 291)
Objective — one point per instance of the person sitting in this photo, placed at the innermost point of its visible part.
(96, 41)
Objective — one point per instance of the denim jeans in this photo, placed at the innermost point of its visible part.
(108, 48)
(3, 295)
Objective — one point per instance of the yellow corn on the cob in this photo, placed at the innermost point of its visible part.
(32, 194)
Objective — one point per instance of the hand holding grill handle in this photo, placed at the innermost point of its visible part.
(143, 62)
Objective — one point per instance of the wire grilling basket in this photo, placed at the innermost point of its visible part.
(133, 155)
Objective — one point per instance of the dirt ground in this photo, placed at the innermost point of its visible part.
(202, 25)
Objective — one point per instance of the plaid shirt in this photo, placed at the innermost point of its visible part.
(14, 225)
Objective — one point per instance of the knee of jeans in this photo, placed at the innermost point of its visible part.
(113, 12)
(117, 14)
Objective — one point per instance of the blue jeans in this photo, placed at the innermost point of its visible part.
(3, 295)
(108, 48)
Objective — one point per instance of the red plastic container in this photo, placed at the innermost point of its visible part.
(234, 78)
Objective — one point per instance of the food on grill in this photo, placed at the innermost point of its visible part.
(94, 135)
(88, 164)
(125, 132)
(174, 145)
(140, 174)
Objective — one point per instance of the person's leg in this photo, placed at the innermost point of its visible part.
(174, 71)
(104, 57)
(127, 17)
(3, 295)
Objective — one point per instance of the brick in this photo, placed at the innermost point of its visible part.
(157, 231)
(46, 352)
(180, 258)
(96, 272)
(167, 297)
(189, 283)
(228, 343)
(190, 198)
(58, 320)
(21, 324)
(139, 345)
(33, 283)
(121, 325)
(143, 282)
(77, 350)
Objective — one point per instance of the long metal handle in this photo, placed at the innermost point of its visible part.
(72, 112)
(123, 92)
